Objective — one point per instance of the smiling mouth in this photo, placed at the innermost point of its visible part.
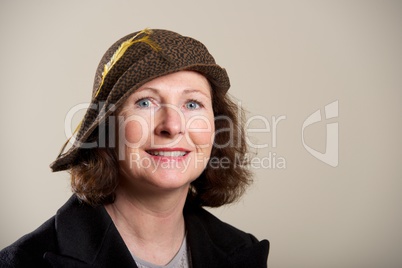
(167, 153)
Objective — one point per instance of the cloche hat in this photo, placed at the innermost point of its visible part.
(128, 64)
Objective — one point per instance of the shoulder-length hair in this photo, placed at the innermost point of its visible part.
(95, 173)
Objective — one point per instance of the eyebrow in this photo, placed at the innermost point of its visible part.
(186, 91)
(189, 91)
(154, 90)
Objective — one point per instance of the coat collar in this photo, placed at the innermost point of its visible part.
(87, 237)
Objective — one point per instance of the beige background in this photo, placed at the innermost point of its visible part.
(287, 58)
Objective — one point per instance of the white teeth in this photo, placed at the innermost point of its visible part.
(168, 153)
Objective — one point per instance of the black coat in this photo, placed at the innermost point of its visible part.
(82, 236)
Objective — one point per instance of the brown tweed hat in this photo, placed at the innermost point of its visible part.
(128, 64)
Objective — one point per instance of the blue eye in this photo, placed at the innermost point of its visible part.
(143, 103)
(192, 105)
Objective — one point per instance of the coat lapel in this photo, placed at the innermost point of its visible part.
(87, 237)
(214, 243)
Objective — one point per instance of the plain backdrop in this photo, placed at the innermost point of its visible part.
(286, 59)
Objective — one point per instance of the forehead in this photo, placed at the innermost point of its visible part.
(179, 82)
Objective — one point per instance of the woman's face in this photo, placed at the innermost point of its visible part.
(166, 131)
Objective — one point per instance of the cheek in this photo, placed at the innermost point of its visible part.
(134, 131)
(201, 130)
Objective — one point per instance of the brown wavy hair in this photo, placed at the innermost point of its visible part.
(95, 173)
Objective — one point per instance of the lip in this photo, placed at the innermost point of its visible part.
(172, 153)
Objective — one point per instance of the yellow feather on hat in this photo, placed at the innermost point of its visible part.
(122, 49)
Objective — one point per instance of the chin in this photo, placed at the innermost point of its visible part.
(170, 180)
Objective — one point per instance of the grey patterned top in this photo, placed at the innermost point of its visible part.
(182, 259)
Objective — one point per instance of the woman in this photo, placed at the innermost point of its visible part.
(160, 140)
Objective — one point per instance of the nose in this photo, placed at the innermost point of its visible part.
(169, 121)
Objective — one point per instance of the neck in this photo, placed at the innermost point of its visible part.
(150, 222)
